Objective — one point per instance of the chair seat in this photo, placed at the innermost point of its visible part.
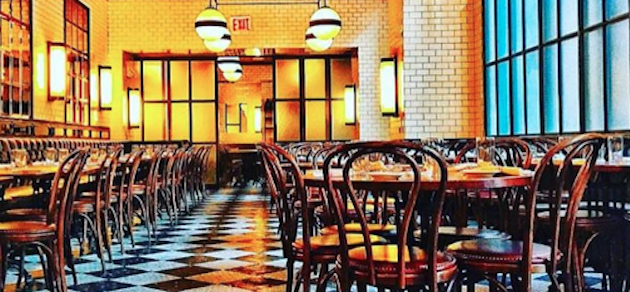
(331, 241)
(356, 228)
(83, 206)
(26, 231)
(23, 214)
(585, 219)
(465, 233)
(497, 251)
(18, 192)
(386, 265)
(138, 189)
(386, 259)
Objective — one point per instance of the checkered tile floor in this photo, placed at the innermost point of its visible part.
(228, 243)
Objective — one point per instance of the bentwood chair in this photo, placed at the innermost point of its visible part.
(295, 220)
(94, 206)
(47, 236)
(519, 256)
(122, 196)
(409, 263)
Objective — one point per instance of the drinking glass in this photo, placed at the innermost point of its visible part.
(615, 148)
(94, 155)
(485, 150)
(50, 155)
(20, 157)
(63, 154)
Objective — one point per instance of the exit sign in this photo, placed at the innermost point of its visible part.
(241, 23)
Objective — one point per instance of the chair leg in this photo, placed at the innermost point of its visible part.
(289, 275)
(105, 234)
(21, 270)
(70, 259)
(3, 266)
(48, 276)
(96, 233)
(129, 216)
(145, 215)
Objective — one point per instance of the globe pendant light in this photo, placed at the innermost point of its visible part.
(325, 23)
(233, 76)
(229, 64)
(211, 24)
(315, 44)
(219, 45)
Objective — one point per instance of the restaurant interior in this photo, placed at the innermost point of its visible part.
(314, 145)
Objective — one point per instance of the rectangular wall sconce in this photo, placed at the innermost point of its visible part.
(57, 71)
(134, 108)
(258, 119)
(389, 87)
(350, 101)
(105, 87)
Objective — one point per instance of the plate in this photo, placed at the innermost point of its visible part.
(385, 176)
(481, 172)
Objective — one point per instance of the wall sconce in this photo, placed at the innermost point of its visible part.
(350, 101)
(389, 87)
(258, 119)
(105, 87)
(57, 71)
(134, 108)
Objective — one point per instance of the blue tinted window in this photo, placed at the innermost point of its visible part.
(615, 8)
(518, 96)
(531, 23)
(570, 86)
(592, 11)
(516, 25)
(532, 78)
(504, 98)
(568, 16)
(618, 62)
(489, 30)
(491, 101)
(502, 28)
(550, 24)
(594, 80)
(550, 89)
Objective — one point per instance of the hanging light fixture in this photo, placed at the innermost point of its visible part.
(325, 23)
(233, 76)
(229, 64)
(211, 24)
(219, 45)
(315, 44)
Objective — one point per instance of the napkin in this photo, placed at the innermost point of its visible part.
(509, 170)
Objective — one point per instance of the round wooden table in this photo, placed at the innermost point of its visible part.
(456, 181)
(600, 165)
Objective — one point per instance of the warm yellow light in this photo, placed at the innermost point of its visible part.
(219, 45)
(325, 23)
(256, 52)
(233, 76)
(134, 108)
(315, 44)
(57, 60)
(229, 63)
(389, 104)
(40, 62)
(257, 119)
(105, 83)
(211, 24)
(350, 103)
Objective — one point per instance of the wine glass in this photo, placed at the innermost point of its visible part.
(50, 155)
(485, 150)
(615, 148)
(63, 154)
(20, 157)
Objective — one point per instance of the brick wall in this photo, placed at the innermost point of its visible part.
(144, 26)
(48, 26)
(443, 71)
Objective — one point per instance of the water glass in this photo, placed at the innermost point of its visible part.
(94, 155)
(485, 150)
(615, 148)
(50, 155)
(20, 157)
(63, 154)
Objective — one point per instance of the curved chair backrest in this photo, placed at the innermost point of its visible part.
(568, 177)
(343, 193)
